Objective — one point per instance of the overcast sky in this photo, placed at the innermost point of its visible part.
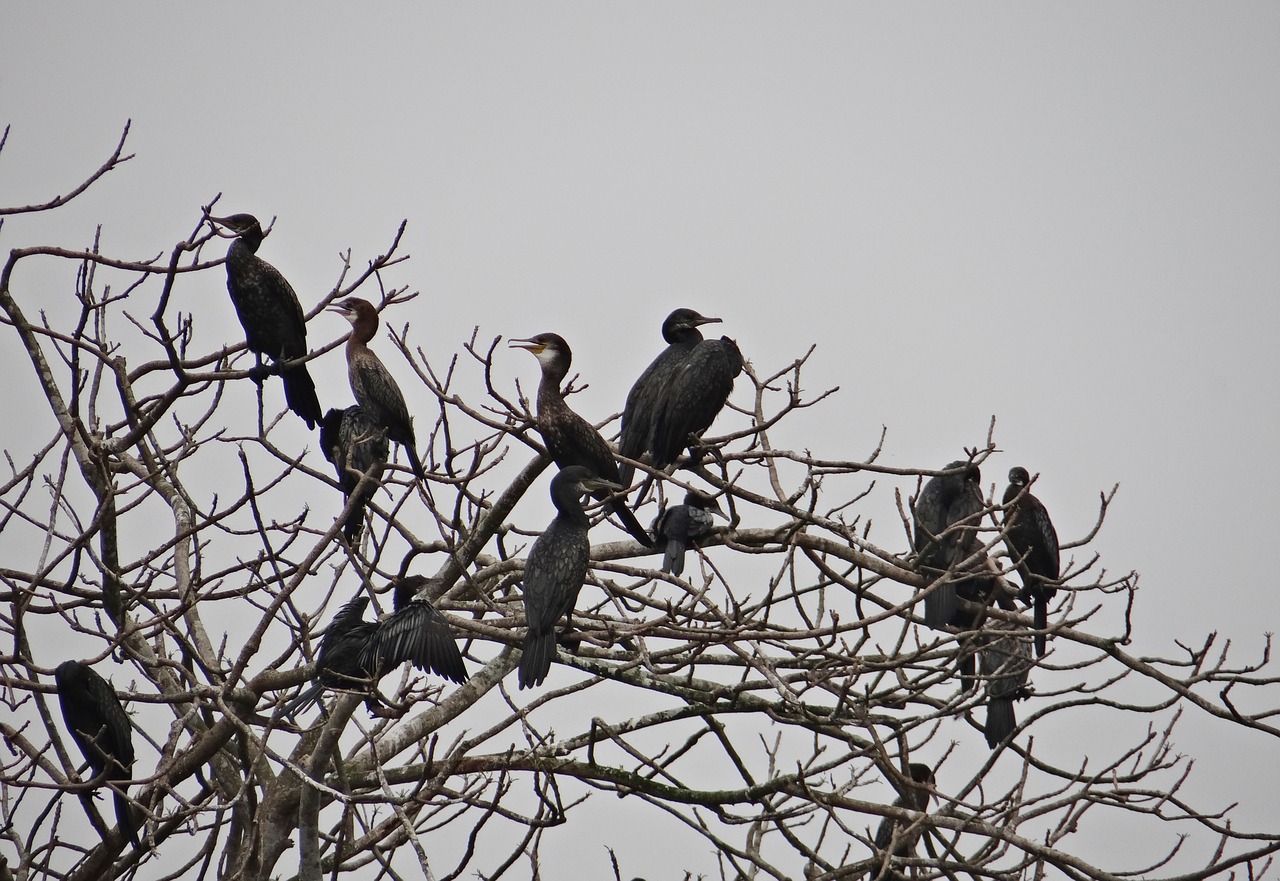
(1065, 216)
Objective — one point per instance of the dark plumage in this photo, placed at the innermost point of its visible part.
(1033, 545)
(570, 439)
(947, 515)
(355, 653)
(372, 384)
(100, 727)
(699, 388)
(555, 570)
(356, 446)
(269, 312)
(1005, 663)
(680, 330)
(679, 526)
(896, 838)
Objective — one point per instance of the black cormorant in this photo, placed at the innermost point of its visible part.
(679, 526)
(1005, 663)
(356, 446)
(355, 653)
(555, 569)
(897, 838)
(680, 330)
(1033, 545)
(570, 439)
(269, 312)
(947, 516)
(100, 727)
(699, 388)
(373, 385)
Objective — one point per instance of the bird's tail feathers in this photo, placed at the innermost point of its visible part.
(940, 606)
(300, 395)
(125, 817)
(1041, 620)
(618, 507)
(673, 557)
(1000, 721)
(535, 662)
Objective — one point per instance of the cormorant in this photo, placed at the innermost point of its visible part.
(356, 446)
(680, 330)
(894, 837)
(269, 312)
(947, 515)
(355, 653)
(555, 569)
(679, 526)
(1005, 662)
(373, 385)
(570, 439)
(100, 727)
(1033, 545)
(699, 388)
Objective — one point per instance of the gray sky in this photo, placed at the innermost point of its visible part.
(1066, 216)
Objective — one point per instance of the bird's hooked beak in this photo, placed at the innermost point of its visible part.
(528, 345)
(702, 319)
(595, 484)
(221, 227)
(339, 309)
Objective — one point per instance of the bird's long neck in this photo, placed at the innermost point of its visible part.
(362, 331)
(683, 336)
(569, 507)
(549, 395)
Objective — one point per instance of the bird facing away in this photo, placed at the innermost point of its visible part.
(1033, 545)
(570, 439)
(680, 330)
(947, 515)
(679, 526)
(100, 727)
(894, 837)
(555, 569)
(269, 312)
(697, 393)
(355, 653)
(1006, 661)
(372, 384)
(356, 446)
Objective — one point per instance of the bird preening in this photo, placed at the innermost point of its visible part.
(679, 526)
(101, 729)
(269, 312)
(357, 447)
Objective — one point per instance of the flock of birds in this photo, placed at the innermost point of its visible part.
(671, 404)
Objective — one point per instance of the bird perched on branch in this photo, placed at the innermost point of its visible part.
(698, 391)
(947, 516)
(680, 330)
(372, 384)
(355, 653)
(1033, 545)
(1006, 663)
(894, 837)
(100, 727)
(679, 526)
(555, 570)
(269, 312)
(570, 439)
(357, 446)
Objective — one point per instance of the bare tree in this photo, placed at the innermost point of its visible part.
(769, 705)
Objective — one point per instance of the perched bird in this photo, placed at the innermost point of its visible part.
(698, 390)
(679, 526)
(355, 653)
(680, 330)
(894, 837)
(555, 569)
(1033, 545)
(373, 385)
(570, 439)
(356, 446)
(1005, 662)
(269, 312)
(947, 515)
(100, 727)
